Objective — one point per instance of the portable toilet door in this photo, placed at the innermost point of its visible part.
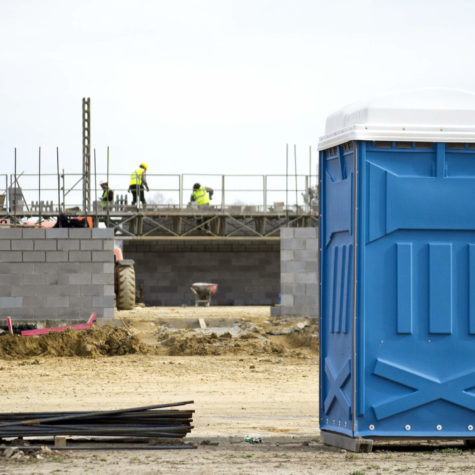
(397, 239)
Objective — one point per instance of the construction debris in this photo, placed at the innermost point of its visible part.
(171, 337)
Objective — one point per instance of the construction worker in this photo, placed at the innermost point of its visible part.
(107, 197)
(137, 184)
(201, 196)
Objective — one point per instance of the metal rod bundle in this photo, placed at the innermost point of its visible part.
(157, 421)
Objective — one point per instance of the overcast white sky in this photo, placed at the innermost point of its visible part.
(216, 86)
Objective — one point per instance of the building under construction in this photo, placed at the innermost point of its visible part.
(173, 242)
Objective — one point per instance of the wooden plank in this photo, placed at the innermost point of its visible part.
(202, 323)
(59, 441)
(353, 444)
(10, 326)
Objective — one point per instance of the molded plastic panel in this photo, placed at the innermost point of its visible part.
(416, 318)
(336, 238)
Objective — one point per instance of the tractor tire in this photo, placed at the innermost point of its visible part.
(125, 288)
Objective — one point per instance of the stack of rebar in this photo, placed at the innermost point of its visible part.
(157, 421)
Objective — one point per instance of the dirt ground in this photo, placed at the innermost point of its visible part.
(247, 374)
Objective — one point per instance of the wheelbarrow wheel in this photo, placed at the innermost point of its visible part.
(125, 288)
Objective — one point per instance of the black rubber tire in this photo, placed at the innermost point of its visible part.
(125, 288)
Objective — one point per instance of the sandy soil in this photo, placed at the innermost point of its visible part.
(267, 386)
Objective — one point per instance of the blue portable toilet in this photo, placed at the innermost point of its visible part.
(397, 239)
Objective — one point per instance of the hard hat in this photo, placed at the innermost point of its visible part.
(143, 166)
(103, 182)
(196, 186)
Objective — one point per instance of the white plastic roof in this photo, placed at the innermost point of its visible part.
(425, 115)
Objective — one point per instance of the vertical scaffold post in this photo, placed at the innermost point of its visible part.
(264, 189)
(223, 186)
(86, 154)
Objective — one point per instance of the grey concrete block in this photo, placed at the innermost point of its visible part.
(92, 267)
(34, 301)
(10, 280)
(11, 302)
(57, 256)
(52, 302)
(81, 301)
(287, 255)
(299, 312)
(287, 233)
(91, 245)
(80, 256)
(306, 233)
(12, 233)
(295, 289)
(34, 256)
(108, 245)
(287, 300)
(79, 279)
(103, 233)
(292, 244)
(34, 233)
(305, 301)
(108, 290)
(312, 244)
(57, 233)
(63, 290)
(90, 290)
(305, 255)
(5, 245)
(307, 278)
(22, 245)
(108, 268)
(103, 279)
(31, 279)
(68, 244)
(311, 266)
(102, 256)
(45, 245)
(312, 289)
(108, 313)
(17, 268)
(292, 266)
(55, 269)
(80, 233)
(54, 279)
(104, 301)
(29, 290)
(287, 288)
(69, 314)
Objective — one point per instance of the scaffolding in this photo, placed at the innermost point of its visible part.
(239, 206)
(243, 205)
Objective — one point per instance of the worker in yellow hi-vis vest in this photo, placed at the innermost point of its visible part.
(202, 195)
(138, 182)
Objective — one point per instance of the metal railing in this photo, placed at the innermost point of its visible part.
(54, 192)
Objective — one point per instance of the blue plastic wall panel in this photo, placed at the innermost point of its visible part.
(416, 290)
(337, 175)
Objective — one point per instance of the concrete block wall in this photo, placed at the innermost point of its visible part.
(56, 274)
(299, 287)
(247, 271)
